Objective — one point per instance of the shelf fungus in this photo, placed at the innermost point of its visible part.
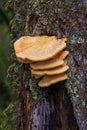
(52, 79)
(38, 48)
(46, 56)
(57, 70)
(51, 63)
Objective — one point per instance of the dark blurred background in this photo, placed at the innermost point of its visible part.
(6, 92)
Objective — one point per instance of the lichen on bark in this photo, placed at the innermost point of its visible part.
(63, 19)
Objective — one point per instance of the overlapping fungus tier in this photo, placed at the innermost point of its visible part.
(46, 56)
(52, 79)
(51, 63)
(57, 70)
(39, 48)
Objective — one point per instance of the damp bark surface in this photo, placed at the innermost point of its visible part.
(62, 106)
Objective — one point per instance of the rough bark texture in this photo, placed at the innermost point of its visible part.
(51, 108)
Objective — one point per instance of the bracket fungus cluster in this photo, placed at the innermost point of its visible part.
(46, 56)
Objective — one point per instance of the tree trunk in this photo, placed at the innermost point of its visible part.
(61, 106)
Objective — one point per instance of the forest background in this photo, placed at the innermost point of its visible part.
(7, 96)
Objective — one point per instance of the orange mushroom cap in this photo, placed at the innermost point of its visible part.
(51, 63)
(46, 81)
(63, 55)
(57, 70)
(38, 48)
(38, 76)
(24, 61)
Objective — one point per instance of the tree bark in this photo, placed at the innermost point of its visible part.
(62, 106)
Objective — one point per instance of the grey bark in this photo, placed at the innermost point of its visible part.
(63, 19)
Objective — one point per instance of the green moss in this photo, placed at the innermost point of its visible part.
(63, 19)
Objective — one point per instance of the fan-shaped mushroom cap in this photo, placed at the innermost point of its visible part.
(46, 81)
(63, 55)
(38, 48)
(24, 61)
(51, 63)
(57, 70)
(38, 76)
